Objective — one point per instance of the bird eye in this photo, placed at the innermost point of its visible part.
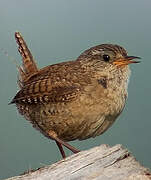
(106, 57)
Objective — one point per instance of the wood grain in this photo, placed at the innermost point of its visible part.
(99, 163)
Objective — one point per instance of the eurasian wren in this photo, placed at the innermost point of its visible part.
(75, 99)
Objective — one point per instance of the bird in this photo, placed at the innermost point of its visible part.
(77, 99)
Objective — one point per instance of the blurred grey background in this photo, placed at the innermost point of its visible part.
(58, 31)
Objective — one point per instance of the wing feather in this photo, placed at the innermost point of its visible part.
(44, 91)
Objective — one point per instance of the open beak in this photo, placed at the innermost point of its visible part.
(126, 60)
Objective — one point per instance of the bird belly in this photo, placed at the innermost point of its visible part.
(102, 113)
(80, 119)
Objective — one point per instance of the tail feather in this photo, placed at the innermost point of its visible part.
(29, 66)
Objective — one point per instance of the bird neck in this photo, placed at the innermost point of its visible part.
(118, 78)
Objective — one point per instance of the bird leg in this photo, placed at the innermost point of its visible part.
(61, 149)
(60, 142)
(71, 148)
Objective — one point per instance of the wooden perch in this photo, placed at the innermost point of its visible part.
(101, 163)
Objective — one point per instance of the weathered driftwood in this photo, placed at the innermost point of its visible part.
(102, 162)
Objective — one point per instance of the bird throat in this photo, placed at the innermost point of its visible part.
(115, 78)
(119, 78)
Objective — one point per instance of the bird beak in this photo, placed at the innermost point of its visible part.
(126, 60)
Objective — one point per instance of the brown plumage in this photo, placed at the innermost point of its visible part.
(76, 99)
(29, 66)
